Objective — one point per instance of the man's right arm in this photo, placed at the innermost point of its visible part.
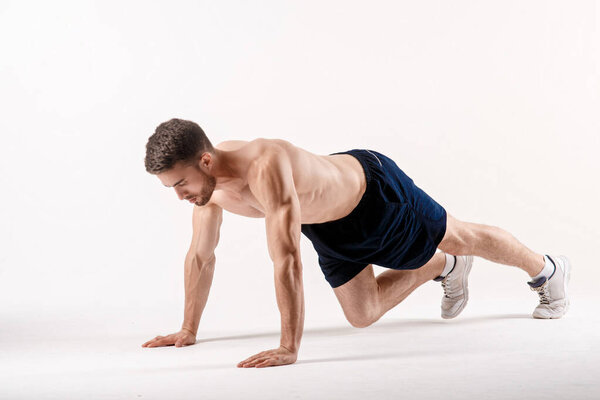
(200, 263)
(198, 273)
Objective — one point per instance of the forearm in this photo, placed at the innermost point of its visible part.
(197, 281)
(290, 300)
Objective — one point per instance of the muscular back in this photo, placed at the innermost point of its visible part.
(328, 186)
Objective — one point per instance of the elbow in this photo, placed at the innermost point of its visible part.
(287, 256)
(205, 261)
(289, 267)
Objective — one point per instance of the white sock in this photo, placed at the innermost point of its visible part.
(449, 265)
(546, 271)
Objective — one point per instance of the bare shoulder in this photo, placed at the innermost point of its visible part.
(252, 155)
(260, 151)
(270, 153)
(258, 145)
(230, 145)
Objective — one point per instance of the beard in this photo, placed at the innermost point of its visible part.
(207, 191)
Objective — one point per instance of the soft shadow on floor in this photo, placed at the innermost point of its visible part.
(383, 325)
(356, 357)
(374, 356)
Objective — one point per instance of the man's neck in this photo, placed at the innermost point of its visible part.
(225, 171)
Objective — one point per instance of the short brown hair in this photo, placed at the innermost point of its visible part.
(173, 141)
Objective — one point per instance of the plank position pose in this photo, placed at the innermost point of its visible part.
(357, 208)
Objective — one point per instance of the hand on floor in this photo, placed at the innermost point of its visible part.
(181, 338)
(269, 358)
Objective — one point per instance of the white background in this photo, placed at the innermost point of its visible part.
(490, 106)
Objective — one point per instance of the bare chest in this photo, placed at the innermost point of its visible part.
(328, 189)
(240, 202)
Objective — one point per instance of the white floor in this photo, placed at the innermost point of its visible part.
(494, 349)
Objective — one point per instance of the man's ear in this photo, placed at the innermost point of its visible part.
(205, 161)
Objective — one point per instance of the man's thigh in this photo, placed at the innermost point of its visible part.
(459, 236)
(358, 297)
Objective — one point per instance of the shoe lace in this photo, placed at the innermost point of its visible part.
(447, 288)
(542, 291)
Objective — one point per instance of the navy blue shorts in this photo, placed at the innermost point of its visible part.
(395, 224)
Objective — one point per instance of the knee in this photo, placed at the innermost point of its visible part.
(360, 323)
(363, 320)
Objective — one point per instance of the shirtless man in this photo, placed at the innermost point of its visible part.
(357, 208)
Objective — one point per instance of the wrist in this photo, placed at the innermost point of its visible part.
(290, 348)
(189, 331)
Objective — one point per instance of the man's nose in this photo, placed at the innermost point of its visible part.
(179, 193)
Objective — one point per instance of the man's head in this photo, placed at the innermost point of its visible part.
(181, 155)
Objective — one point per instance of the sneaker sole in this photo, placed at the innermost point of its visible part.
(465, 289)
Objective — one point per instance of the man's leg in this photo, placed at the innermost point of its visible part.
(365, 298)
(489, 242)
(550, 274)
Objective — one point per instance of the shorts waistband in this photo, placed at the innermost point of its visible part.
(368, 159)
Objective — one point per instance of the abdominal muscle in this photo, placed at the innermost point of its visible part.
(328, 186)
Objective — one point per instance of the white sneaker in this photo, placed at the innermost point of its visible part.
(456, 287)
(554, 301)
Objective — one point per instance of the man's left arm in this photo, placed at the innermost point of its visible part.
(270, 180)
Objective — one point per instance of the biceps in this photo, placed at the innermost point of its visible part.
(206, 231)
(283, 231)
